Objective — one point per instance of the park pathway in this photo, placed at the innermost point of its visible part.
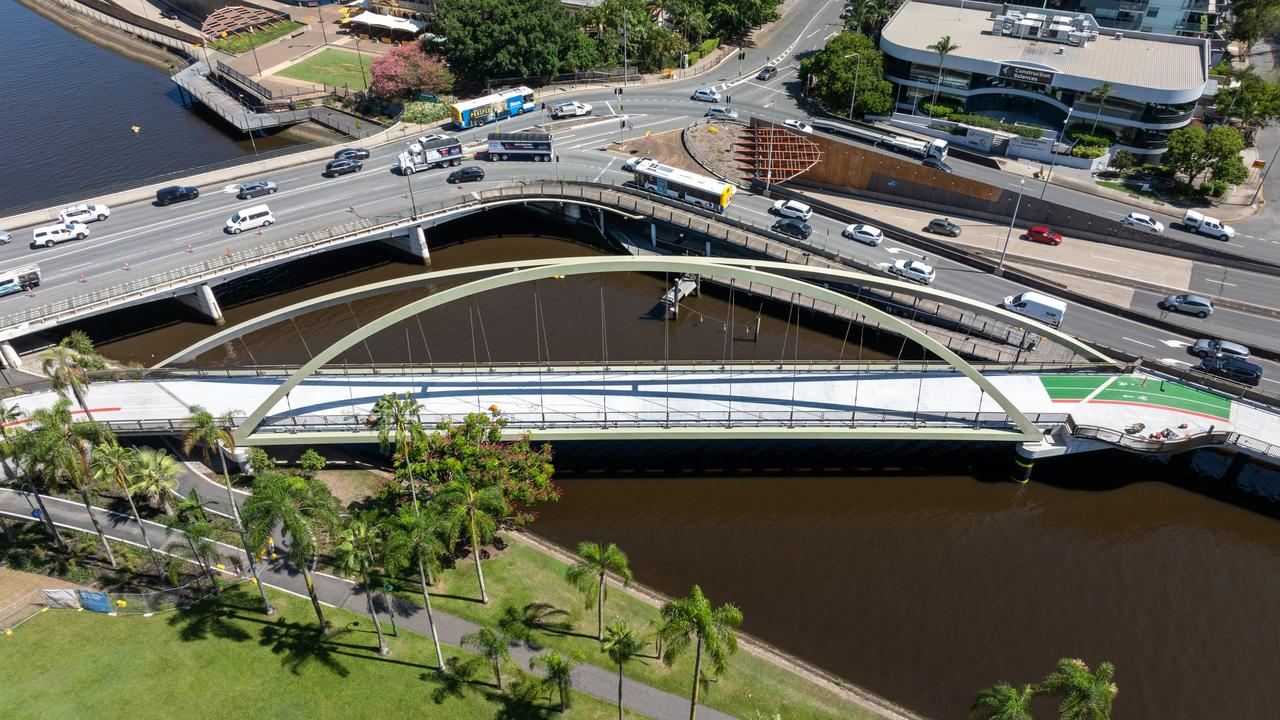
(337, 592)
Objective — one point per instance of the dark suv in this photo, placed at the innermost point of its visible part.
(768, 72)
(793, 227)
(176, 193)
(471, 173)
(351, 154)
(342, 167)
(1231, 368)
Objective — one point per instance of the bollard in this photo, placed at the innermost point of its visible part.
(228, 251)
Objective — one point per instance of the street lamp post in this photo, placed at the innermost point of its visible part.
(1053, 156)
(254, 47)
(624, 47)
(1266, 172)
(1000, 266)
(768, 177)
(360, 60)
(408, 177)
(248, 130)
(853, 95)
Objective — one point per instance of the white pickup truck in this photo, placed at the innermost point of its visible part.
(1205, 225)
(571, 108)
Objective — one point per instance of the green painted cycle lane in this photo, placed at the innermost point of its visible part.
(1138, 391)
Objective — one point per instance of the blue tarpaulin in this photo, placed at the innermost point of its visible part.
(95, 601)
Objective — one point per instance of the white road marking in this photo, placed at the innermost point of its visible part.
(610, 106)
(1171, 361)
(1174, 343)
(1219, 282)
(603, 169)
(1139, 342)
(896, 250)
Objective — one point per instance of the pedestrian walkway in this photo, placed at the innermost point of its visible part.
(337, 592)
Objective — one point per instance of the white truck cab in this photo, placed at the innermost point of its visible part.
(1205, 225)
(571, 108)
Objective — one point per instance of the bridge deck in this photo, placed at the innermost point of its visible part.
(759, 401)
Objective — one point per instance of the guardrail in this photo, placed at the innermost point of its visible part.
(1146, 443)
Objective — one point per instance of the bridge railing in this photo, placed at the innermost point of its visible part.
(1153, 443)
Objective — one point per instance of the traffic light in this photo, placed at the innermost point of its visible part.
(622, 124)
(742, 54)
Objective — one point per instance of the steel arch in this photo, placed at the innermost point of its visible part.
(743, 271)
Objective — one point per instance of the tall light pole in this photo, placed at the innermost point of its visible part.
(624, 47)
(254, 47)
(1053, 156)
(1000, 267)
(853, 95)
(360, 60)
(768, 177)
(408, 177)
(1265, 173)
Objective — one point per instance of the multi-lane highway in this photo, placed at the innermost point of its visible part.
(141, 239)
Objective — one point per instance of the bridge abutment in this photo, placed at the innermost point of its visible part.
(415, 244)
(204, 301)
(8, 356)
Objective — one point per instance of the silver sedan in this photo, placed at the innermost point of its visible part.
(257, 188)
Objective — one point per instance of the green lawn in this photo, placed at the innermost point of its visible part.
(331, 67)
(221, 661)
(521, 574)
(246, 42)
(1133, 191)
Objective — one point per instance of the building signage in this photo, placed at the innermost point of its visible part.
(1022, 74)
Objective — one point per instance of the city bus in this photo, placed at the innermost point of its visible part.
(685, 186)
(473, 113)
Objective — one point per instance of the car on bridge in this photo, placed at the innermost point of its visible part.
(257, 188)
(1198, 305)
(791, 209)
(176, 193)
(1042, 234)
(866, 234)
(943, 226)
(357, 153)
(1143, 222)
(470, 173)
(1232, 368)
(85, 213)
(1204, 347)
(794, 227)
(51, 235)
(343, 166)
(768, 72)
(913, 270)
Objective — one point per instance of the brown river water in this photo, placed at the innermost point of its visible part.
(915, 571)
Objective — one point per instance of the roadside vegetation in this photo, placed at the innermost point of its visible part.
(1082, 694)
(246, 42)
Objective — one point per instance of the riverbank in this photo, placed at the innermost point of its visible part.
(103, 36)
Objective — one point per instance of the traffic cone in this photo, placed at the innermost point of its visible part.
(82, 278)
(189, 248)
(228, 251)
(126, 265)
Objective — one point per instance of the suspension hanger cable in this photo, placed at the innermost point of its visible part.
(423, 333)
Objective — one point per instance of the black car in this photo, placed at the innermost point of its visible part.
(937, 164)
(471, 173)
(793, 227)
(256, 188)
(768, 72)
(351, 154)
(342, 167)
(1241, 371)
(943, 226)
(844, 14)
(169, 14)
(176, 193)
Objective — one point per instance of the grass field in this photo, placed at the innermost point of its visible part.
(521, 574)
(229, 661)
(1130, 190)
(240, 44)
(331, 67)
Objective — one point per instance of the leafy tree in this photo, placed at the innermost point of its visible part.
(506, 38)
(1100, 93)
(943, 47)
(1085, 695)
(396, 420)
(413, 539)
(311, 463)
(361, 536)
(303, 509)
(155, 475)
(622, 645)
(1252, 20)
(197, 531)
(689, 18)
(408, 70)
(1123, 160)
(86, 355)
(833, 69)
(692, 620)
(490, 646)
(1185, 152)
(58, 447)
(1003, 702)
(590, 576)
(1223, 145)
(472, 512)
(114, 464)
(212, 434)
(559, 676)
(1254, 100)
(194, 506)
(64, 367)
(457, 674)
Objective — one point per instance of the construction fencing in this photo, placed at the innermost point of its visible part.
(108, 603)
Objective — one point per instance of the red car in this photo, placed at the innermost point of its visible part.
(1042, 234)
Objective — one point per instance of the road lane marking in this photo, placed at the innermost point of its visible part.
(603, 169)
(1138, 342)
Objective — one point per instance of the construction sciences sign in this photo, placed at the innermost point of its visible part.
(1021, 74)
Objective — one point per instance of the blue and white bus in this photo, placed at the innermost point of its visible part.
(473, 113)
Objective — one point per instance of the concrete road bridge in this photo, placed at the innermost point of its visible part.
(1045, 409)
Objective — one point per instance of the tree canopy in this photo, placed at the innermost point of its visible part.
(408, 70)
(510, 38)
(1255, 100)
(1252, 20)
(846, 57)
(1193, 150)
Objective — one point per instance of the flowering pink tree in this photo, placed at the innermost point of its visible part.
(407, 70)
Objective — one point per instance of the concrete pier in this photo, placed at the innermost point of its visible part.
(204, 301)
(9, 357)
(415, 244)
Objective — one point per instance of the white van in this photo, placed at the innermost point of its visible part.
(249, 219)
(1036, 306)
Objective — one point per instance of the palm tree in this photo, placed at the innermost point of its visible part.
(361, 535)
(474, 511)
(622, 644)
(58, 447)
(62, 365)
(490, 646)
(114, 464)
(303, 509)
(210, 433)
(197, 532)
(413, 538)
(1002, 701)
(943, 47)
(693, 620)
(194, 506)
(590, 573)
(559, 675)
(10, 417)
(1100, 93)
(155, 476)
(1085, 695)
(395, 419)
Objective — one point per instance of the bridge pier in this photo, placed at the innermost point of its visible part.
(415, 244)
(8, 356)
(204, 301)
